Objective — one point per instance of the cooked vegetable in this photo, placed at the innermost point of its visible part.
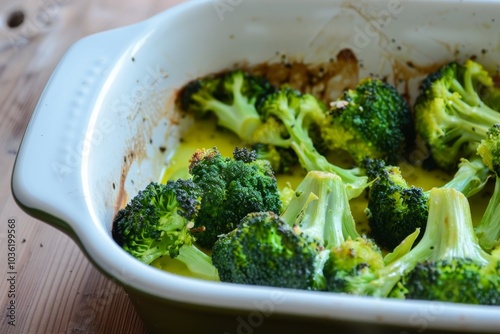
(306, 237)
(450, 113)
(313, 245)
(446, 265)
(456, 268)
(297, 113)
(231, 188)
(395, 209)
(360, 258)
(231, 96)
(371, 120)
(155, 223)
(264, 250)
(290, 250)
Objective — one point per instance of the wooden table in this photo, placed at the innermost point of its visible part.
(56, 289)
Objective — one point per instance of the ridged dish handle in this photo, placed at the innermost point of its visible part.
(47, 177)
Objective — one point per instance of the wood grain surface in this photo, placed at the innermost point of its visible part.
(56, 289)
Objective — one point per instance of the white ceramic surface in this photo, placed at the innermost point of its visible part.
(94, 138)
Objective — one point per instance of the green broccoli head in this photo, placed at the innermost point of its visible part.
(450, 114)
(231, 188)
(264, 250)
(395, 209)
(458, 280)
(372, 120)
(155, 221)
(360, 257)
(230, 96)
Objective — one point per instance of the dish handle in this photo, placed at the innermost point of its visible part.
(47, 179)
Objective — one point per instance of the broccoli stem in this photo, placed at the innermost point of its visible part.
(473, 111)
(488, 229)
(471, 176)
(240, 117)
(321, 209)
(473, 73)
(198, 263)
(312, 160)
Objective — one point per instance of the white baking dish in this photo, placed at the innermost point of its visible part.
(94, 140)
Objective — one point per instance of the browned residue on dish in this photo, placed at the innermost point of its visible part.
(146, 118)
(324, 80)
(121, 198)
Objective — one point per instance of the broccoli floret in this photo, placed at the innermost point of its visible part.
(360, 257)
(264, 250)
(322, 212)
(156, 222)
(372, 120)
(448, 239)
(298, 113)
(457, 269)
(458, 280)
(395, 209)
(231, 96)
(488, 228)
(289, 250)
(282, 159)
(231, 188)
(450, 114)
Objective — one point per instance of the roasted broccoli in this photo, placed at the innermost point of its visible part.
(372, 120)
(231, 96)
(488, 228)
(261, 114)
(446, 262)
(450, 114)
(395, 209)
(156, 223)
(321, 211)
(231, 188)
(457, 269)
(360, 258)
(264, 250)
(297, 112)
(289, 250)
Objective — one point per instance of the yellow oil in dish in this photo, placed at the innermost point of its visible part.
(206, 134)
